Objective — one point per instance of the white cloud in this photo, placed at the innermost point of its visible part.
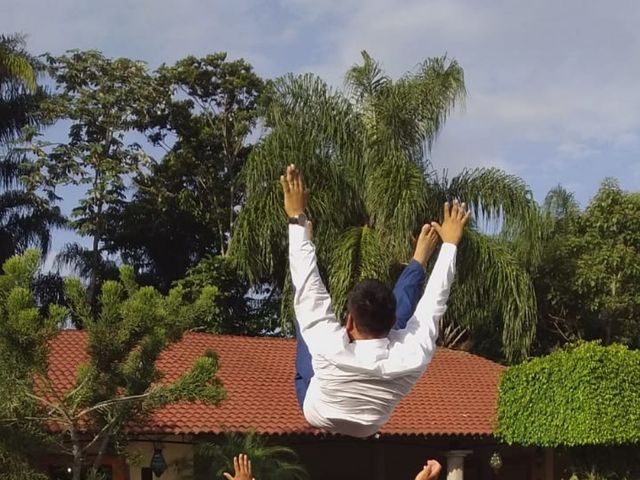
(550, 83)
(576, 150)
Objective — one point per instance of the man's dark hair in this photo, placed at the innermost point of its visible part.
(373, 307)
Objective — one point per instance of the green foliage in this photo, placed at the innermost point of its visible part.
(15, 63)
(24, 332)
(104, 100)
(268, 462)
(19, 92)
(185, 207)
(364, 156)
(134, 326)
(237, 308)
(120, 382)
(25, 218)
(588, 275)
(580, 395)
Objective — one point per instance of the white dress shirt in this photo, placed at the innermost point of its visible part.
(357, 384)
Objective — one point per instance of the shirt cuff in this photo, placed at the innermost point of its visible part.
(448, 249)
(298, 234)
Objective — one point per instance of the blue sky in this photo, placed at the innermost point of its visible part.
(553, 86)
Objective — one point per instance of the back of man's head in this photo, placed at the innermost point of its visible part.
(373, 308)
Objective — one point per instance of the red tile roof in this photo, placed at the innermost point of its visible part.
(456, 396)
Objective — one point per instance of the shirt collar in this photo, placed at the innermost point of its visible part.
(374, 348)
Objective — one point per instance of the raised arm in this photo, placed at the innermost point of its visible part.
(433, 304)
(316, 320)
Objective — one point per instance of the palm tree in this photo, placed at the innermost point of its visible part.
(18, 89)
(364, 152)
(268, 462)
(25, 219)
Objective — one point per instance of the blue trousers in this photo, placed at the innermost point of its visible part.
(407, 292)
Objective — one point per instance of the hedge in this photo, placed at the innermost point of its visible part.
(584, 394)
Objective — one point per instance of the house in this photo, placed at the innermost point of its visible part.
(449, 416)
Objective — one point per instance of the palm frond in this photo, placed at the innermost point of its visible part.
(411, 112)
(310, 126)
(26, 221)
(366, 80)
(15, 64)
(560, 203)
(493, 286)
(82, 261)
(18, 111)
(268, 461)
(504, 205)
(358, 254)
(395, 194)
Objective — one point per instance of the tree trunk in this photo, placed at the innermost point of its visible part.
(93, 278)
(101, 450)
(76, 468)
(231, 194)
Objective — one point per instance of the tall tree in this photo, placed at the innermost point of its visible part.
(589, 273)
(105, 101)
(26, 219)
(24, 333)
(118, 384)
(364, 154)
(186, 207)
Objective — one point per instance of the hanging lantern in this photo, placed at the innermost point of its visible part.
(158, 463)
(495, 462)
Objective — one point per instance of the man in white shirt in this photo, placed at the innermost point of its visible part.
(362, 370)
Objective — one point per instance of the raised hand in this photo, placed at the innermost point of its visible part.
(295, 195)
(455, 219)
(241, 468)
(430, 471)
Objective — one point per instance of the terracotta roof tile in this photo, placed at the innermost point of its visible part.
(456, 396)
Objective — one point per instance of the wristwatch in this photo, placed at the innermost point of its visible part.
(300, 219)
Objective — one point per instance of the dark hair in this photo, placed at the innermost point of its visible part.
(373, 307)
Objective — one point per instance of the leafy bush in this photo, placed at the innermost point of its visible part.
(584, 394)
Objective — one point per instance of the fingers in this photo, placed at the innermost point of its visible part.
(456, 211)
(300, 182)
(227, 476)
(285, 184)
(437, 227)
(292, 181)
(291, 171)
(241, 463)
